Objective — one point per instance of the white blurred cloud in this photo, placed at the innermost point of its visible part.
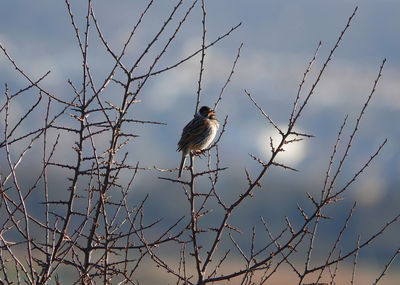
(170, 86)
(181, 81)
(344, 83)
(371, 189)
(293, 153)
(351, 83)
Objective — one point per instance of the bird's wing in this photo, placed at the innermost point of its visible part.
(193, 130)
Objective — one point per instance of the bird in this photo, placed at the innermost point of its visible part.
(198, 134)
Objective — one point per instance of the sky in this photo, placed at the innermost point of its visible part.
(279, 39)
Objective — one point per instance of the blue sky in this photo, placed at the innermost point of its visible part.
(279, 39)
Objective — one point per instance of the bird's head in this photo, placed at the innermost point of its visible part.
(207, 112)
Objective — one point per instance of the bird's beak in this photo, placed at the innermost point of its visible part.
(211, 113)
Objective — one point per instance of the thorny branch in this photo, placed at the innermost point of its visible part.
(99, 227)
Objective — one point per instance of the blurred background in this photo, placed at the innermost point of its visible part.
(279, 40)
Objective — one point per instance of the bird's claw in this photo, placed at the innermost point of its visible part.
(198, 153)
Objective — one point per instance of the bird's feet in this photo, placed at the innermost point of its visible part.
(198, 153)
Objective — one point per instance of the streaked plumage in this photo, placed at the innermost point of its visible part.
(198, 134)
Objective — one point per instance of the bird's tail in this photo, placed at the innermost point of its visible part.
(182, 165)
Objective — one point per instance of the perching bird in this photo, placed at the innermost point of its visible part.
(198, 134)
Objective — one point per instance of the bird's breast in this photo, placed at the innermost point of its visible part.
(212, 128)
